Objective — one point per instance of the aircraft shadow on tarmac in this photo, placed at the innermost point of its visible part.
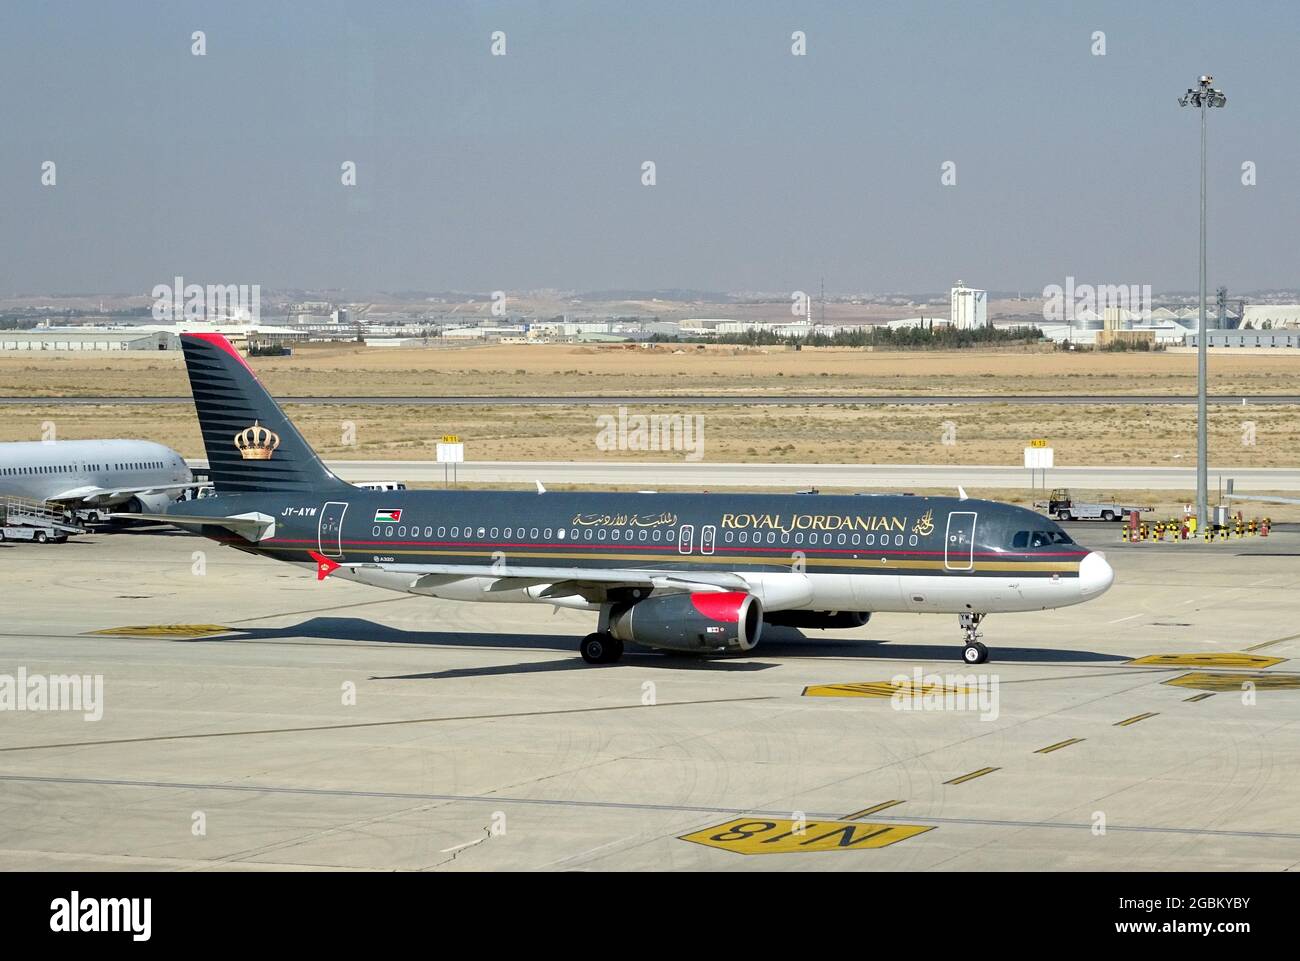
(778, 643)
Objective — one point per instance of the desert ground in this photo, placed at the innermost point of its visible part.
(1134, 435)
(337, 369)
(985, 434)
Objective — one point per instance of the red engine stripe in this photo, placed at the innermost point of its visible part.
(722, 606)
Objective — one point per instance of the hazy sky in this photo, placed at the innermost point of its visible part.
(481, 172)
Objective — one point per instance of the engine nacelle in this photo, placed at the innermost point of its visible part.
(717, 621)
(150, 503)
(825, 620)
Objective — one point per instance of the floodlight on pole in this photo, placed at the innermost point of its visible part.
(1202, 96)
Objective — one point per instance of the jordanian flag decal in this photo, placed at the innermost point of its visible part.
(389, 516)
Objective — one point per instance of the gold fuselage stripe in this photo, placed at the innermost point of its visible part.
(864, 563)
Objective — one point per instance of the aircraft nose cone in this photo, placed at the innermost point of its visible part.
(1095, 575)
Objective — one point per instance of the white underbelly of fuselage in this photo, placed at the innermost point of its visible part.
(875, 593)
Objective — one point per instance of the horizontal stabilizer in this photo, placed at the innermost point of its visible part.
(252, 526)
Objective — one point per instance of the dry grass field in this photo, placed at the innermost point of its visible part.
(984, 434)
(830, 433)
(337, 369)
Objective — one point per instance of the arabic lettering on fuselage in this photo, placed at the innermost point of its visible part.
(662, 519)
(773, 522)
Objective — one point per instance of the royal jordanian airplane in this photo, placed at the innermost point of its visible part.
(94, 475)
(684, 572)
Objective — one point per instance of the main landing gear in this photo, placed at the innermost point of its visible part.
(974, 652)
(600, 648)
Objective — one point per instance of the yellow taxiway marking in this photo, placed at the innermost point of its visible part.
(972, 775)
(1220, 659)
(1059, 744)
(875, 809)
(1134, 719)
(884, 689)
(747, 835)
(1216, 681)
(1276, 640)
(167, 630)
(1200, 697)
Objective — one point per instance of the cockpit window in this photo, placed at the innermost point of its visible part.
(1032, 539)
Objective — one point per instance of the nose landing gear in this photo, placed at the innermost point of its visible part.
(973, 652)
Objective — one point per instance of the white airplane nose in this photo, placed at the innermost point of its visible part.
(1095, 574)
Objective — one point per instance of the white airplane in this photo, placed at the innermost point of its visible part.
(94, 475)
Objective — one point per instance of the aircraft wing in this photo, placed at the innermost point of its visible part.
(91, 495)
(565, 581)
(253, 526)
(1262, 497)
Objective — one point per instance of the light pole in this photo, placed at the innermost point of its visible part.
(1203, 96)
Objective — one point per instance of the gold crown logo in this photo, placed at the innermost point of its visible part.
(256, 442)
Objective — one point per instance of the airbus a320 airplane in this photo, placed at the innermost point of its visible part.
(683, 572)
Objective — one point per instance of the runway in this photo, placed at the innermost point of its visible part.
(254, 719)
(694, 400)
(893, 477)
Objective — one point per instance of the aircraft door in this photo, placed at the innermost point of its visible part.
(329, 533)
(685, 539)
(707, 536)
(959, 544)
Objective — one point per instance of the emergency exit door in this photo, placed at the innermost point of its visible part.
(329, 534)
(959, 544)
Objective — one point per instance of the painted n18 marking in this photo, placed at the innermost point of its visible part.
(777, 836)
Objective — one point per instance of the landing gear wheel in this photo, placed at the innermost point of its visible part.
(973, 652)
(600, 649)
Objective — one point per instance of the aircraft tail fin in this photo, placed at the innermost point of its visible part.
(252, 446)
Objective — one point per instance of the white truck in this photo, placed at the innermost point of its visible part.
(1064, 506)
(40, 535)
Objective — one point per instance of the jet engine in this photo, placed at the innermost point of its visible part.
(825, 620)
(150, 503)
(697, 623)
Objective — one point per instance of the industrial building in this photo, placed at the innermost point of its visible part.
(1270, 316)
(143, 337)
(970, 307)
(86, 338)
(1247, 339)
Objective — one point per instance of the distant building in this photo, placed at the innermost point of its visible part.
(1248, 339)
(969, 307)
(921, 323)
(1274, 315)
(1110, 336)
(73, 338)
